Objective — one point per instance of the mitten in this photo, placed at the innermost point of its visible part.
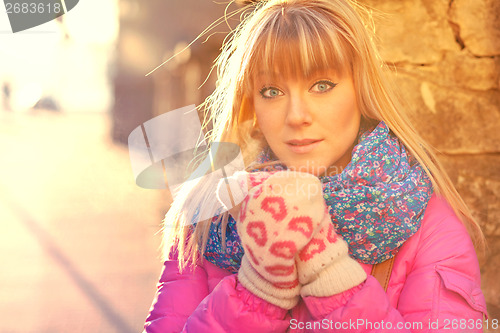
(324, 266)
(277, 219)
(232, 190)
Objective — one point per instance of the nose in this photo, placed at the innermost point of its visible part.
(298, 113)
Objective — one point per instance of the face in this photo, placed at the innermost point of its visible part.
(310, 124)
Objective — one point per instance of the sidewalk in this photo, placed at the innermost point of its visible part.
(78, 249)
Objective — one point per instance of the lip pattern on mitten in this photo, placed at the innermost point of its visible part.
(284, 249)
(275, 206)
(257, 230)
(302, 224)
(313, 247)
(280, 270)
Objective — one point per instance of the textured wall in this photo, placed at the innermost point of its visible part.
(445, 57)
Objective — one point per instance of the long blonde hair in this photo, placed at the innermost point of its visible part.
(298, 37)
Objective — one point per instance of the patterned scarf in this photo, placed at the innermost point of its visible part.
(376, 203)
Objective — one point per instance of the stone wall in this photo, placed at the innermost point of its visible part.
(445, 57)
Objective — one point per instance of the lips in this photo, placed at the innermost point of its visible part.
(303, 146)
(303, 142)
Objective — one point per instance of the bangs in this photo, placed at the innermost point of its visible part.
(296, 43)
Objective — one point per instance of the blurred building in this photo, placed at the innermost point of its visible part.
(150, 33)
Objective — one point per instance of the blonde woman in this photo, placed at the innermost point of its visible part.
(302, 92)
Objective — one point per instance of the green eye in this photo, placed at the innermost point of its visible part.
(273, 92)
(322, 86)
(270, 92)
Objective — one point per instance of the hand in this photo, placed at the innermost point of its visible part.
(278, 218)
(324, 266)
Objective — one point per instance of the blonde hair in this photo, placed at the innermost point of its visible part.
(298, 37)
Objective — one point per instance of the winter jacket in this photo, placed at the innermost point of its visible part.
(434, 286)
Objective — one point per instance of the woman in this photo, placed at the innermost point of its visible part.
(301, 90)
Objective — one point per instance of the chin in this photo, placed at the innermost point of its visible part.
(308, 168)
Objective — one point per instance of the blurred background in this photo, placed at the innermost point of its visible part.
(80, 247)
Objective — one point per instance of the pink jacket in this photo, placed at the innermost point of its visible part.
(434, 286)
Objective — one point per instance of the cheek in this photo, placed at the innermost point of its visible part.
(343, 123)
(266, 119)
(348, 115)
(261, 119)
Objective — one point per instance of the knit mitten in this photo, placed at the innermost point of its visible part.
(232, 190)
(277, 219)
(324, 265)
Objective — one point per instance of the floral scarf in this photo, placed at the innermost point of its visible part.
(376, 203)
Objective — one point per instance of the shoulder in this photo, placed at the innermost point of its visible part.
(442, 240)
(441, 223)
(437, 210)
